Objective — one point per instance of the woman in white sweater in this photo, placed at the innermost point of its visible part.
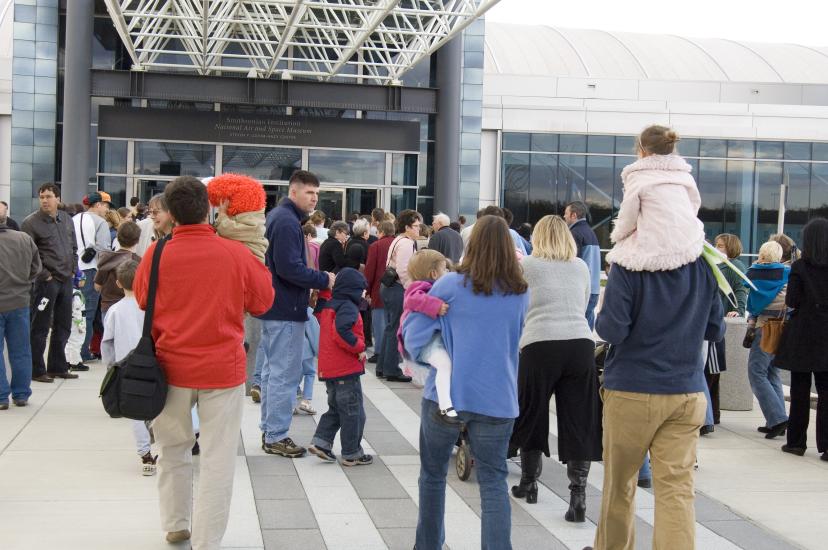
(557, 357)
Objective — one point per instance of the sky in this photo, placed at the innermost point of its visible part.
(792, 21)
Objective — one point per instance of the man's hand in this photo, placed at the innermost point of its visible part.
(733, 314)
(443, 309)
(331, 279)
(362, 357)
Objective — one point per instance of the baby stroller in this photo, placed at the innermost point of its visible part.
(463, 460)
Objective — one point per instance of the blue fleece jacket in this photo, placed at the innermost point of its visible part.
(656, 323)
(769, 280)
(481, 334)
(589, 251)
(287, 261)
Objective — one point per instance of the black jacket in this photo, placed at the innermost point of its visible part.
(356, 250)
(447, 242)
(332, 256)
(804, 345)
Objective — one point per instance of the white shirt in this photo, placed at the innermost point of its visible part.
(123, 324)
(94, 230)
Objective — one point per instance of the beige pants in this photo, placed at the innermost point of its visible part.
(220, 413)
(667, 426)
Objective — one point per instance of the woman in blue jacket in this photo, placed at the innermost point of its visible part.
(487, 296)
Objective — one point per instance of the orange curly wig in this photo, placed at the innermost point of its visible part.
(244, 193)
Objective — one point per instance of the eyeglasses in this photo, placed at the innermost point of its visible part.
(154, 212)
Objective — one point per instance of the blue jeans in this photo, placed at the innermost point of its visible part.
(14, 329)
(90, 305)
(345, 414)
(281, 373)
(766, 384)
(645, 472)
(708, 416)
(590, 310)
(389, 363)
(378, 328)
(308, 376)
(261, 357)
(489, 441)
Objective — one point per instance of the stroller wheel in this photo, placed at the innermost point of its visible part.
(463, 461)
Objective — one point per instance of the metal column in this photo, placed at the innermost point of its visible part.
(76, 100)
(447, 150)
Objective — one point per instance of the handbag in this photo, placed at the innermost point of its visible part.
(89, 252)
(750, 336)
(135, 387)
(772, 334)
(390, 276)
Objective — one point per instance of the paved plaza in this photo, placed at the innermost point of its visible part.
(71, 480)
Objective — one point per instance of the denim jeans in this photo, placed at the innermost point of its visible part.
(346, 415)
(766, 383)
(389, 363)
(708, 416)
(14, 330)
(489, 442)
(645, 472)
(90, 306)
(281, 373)
(308, 377)
(590, 310)
(261, 357)
(378, 328)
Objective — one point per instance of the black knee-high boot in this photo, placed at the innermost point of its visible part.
(531, 465)
(577, 472)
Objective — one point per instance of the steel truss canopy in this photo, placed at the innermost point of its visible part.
(373, 41)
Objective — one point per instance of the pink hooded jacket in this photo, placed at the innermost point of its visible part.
(418, 299)
(657, 228)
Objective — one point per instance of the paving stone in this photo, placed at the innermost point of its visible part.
(285, 514)
(270, 466)
(390, 443)
(293, 539)
(535, 538)
(748, 535)
(399, 538)
(708, 509)
(520, 517)
(392, 512)
(277, 488)
(554, 477)
(378, 487)
(413, 397)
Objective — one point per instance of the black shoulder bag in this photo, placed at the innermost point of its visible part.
(89, 252)
(135, 387)
(391, 276)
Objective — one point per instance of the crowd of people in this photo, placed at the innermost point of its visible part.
(322, 293)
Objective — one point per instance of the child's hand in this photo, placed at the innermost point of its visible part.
(362, 357)
(443, 309)
(223, 206)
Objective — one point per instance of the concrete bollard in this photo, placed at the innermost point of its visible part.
(734, 387)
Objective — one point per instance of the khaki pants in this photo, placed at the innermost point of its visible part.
(667, 426)
(220, 413)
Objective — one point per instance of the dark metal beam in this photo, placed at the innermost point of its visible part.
(251, 91)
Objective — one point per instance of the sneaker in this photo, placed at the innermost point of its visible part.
(325, 454)
(285, 447)
(256, 394)
(79, 367)
(21, 402)
(4, 406)
(305, 407)
(364, 460)
(645, 483)
(174, 537)
(148, 464)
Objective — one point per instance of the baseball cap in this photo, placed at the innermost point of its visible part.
(96, 197)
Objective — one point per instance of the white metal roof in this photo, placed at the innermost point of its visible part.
(539, 50)
(377, 40)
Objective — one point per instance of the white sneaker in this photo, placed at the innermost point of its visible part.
(305, 407)
(148, 467)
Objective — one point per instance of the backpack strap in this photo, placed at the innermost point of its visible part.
(153, 287)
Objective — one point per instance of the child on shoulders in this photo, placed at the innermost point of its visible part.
(241, 202)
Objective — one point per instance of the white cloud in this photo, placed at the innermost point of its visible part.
(792, 21)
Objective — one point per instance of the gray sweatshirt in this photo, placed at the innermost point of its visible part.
(19, 267)
(558, 295)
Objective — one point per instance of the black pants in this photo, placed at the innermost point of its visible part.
(58, 316)
(565, 368)
(801, 409)
(366, 327)
(392, 298)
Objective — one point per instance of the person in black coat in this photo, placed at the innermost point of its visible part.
(803, 349)
(356, 252)
(332, 252)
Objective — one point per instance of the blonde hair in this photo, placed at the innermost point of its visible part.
(113, 218)
(552, 240)
(770, 253)
(424, 262)
(789, 252)
(658, 140)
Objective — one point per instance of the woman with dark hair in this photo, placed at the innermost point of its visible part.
(488, 295)
(804, 346)
(332, 252)
(402, 249)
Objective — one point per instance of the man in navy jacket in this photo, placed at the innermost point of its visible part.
(653, 395)
(589, 251)
(283, 326)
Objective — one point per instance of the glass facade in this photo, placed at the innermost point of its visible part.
(740, 181)
(471, 116)
(356, 167)
(263, 163)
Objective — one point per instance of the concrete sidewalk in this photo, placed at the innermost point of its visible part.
(72, 480)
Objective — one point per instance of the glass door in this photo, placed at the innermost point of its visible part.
(332, 203)
(146, 188)
(361, 201)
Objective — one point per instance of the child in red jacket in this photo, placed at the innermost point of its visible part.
(341, 363)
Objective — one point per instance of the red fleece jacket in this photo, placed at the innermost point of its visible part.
(205, 285)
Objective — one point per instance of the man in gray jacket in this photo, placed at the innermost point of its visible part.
(20, 266)
(445, 240)
(54, 234)
(92, 237)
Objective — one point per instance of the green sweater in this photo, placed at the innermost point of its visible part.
(738, 286)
